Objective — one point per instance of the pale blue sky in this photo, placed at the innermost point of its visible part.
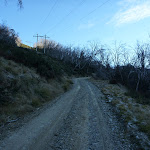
(78, 21)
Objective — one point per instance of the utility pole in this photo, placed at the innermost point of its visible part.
(37, 39)
(45, 43)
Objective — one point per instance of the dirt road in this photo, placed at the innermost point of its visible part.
(79, 120)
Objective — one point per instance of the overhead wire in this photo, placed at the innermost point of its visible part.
(52, 8)
(95, 9)
(88, 13)
(74, 9)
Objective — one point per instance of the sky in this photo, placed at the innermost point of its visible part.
(75, 22)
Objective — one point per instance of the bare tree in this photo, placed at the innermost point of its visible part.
(20, 3)
(142, 62)
(142, 51)
(125, 56)
(116, 53)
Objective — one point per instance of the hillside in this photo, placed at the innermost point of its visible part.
(26, 84)
(29, 79)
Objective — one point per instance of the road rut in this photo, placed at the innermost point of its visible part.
(79, 120)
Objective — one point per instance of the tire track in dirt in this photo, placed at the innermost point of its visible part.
(99, 133)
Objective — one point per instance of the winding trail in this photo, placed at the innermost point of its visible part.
(79, 120)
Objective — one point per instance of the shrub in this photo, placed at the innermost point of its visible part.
(45, 66)
(66, 85)
(7, 36)
(113, 81)
(44, 92)
(36, 102)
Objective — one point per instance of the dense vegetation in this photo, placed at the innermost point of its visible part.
(22, 89)
(113, 64)
(45, 66)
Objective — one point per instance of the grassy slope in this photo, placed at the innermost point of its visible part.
(135, 116)
(27, 81)
(44, 65)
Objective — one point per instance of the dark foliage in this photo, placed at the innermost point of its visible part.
(60, 60)
(138, 82)
(45, 66)
(7, 37)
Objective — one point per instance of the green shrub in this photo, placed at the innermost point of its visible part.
(21, 110)
(44, 93)
(70, 81)
(145, 128)
(66, 85)
(45, 66)
(36, 102)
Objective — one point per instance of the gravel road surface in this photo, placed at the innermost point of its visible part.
(79, 120)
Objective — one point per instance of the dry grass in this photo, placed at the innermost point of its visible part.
(130, 110)
(22, 90)
(67, 85)
(115, 102)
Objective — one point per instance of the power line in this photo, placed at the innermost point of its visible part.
(74, 9)
(95, 9)
(52, 8)
(89, 13)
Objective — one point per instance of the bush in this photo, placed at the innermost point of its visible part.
(44, 92)
(67, 85)
(45, 66)
(113, 81)
(8, 37)
(36, 102)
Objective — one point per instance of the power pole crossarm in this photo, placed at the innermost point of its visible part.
(37, 39)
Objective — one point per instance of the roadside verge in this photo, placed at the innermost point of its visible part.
(134, 116)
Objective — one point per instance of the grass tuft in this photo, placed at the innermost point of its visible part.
(36, 102)
(44, 92)
(67, 85)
